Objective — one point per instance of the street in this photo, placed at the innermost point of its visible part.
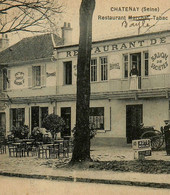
(22, 186)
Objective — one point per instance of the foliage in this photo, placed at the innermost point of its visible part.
(54, 124)
(2, 131)
(37, 134)
(20, 132)
(20, 15)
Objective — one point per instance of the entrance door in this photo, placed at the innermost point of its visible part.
(2, 124)
(134, 117)
(34, 117)
(66, 115)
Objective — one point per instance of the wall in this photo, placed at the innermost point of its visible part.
(19, 81)
(158, 46)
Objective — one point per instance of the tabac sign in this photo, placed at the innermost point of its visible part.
(141, 148)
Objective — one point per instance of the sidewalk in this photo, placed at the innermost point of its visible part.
(32, 167)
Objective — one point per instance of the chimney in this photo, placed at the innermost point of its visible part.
(67, 34)
(4, 42)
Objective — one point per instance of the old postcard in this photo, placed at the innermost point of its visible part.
(123, 83)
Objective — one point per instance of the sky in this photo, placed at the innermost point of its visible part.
(157, 11)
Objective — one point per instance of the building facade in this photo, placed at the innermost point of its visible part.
(28, 75)
(46, 85)
(117, 109)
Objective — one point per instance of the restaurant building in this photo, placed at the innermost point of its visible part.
(117, 109)
(47, 84)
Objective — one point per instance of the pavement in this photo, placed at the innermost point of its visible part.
(33, 167)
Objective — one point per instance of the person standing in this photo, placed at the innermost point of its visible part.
(167, 136)
(134, 78)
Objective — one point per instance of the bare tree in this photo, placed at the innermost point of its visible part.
(28, 15)
(81, 151)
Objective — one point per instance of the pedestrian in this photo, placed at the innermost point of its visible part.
(167, 136)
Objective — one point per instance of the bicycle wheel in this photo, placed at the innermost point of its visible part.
(155, 137)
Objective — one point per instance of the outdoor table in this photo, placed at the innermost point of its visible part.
(48, 150)
(27, 140)
(17, 144)
(67, 137)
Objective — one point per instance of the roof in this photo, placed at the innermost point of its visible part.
(116, 38)
(30, 48)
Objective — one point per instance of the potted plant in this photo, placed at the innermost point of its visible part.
(20, 132)
(54, 124)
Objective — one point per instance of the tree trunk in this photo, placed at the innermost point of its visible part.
(81, 151)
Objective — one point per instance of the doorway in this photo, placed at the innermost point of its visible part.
(134, 117)
(2, 124)
(135, 59)
(66, 115)
(34, 117)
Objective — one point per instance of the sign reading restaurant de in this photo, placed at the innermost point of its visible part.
(121, 46)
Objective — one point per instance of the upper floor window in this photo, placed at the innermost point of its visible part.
(125, 63)
(37, 76)
(68, 73)
(6, 78)
(93, 70)
(104, 68)
(146, 63)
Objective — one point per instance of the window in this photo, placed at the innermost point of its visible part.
(93, 70)
(125, 62)
(37, 116)
(6, 79)
(97, 117)
(135, 59)
(104, 71)
(37, 76)
(146, 62)
(68, 73)
(17, 117)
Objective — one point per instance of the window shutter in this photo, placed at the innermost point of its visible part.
(8, 79)
(30, 77)
(43, 75)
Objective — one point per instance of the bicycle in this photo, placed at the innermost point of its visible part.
(157, 137)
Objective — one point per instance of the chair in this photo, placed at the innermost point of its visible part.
(12, 150)
(46, 139)
(64, 148)
(21, 150)
(2, 149)
(17, 150)
(54, 151)
(42, 152)
(34, 151)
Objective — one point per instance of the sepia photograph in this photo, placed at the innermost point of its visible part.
(84, 97)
